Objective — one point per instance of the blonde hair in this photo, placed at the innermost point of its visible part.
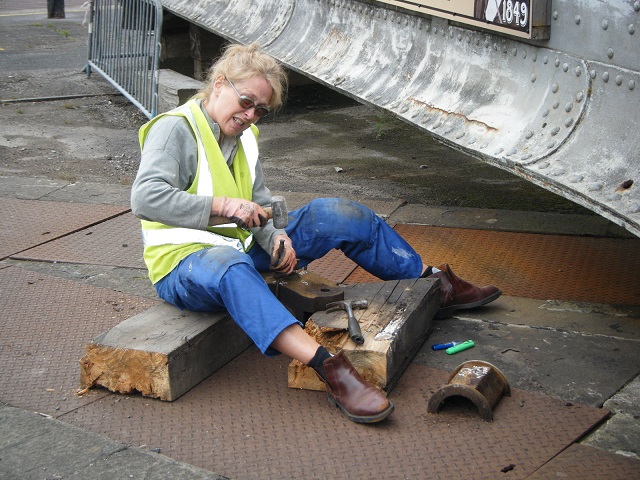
(241, 62)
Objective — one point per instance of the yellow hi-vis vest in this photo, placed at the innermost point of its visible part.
(166, 246)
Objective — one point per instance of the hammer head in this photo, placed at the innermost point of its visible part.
(280, 213)
(347, 304)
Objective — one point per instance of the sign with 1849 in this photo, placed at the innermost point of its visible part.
(521, 18)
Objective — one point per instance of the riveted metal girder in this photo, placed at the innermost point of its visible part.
(562, 113)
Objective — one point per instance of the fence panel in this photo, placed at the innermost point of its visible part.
(124, 47)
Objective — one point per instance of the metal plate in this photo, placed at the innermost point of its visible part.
(22, 230)
(334, 266)
(116, 242)
(243, 422)
(558, 267)
(46, 323)
(581, 461)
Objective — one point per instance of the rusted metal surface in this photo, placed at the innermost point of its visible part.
(115, 242)
(547, 267)
(20, 231)
(581, 461)
(239, 421)
(46, 322)
(475, 380)
(556, 112)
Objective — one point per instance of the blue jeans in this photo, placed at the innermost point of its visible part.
(218, 278)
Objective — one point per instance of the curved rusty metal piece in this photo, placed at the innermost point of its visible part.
(475, 380)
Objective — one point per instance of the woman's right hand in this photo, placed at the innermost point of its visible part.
(244, 213)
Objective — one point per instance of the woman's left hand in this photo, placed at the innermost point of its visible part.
(283, 257)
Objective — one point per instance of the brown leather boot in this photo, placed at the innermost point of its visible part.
(457, 294)
(358, 400)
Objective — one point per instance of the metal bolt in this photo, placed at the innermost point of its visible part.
(555, 14)
(568, 107)
(610, 52)
(568, 122)
(533, 78)
(605, 24)
(632, 29)
(632, 84)
(605, 77)
(555, 87)
(577, 19)
(618, 80)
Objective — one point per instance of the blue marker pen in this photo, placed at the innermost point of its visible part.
(444, 346)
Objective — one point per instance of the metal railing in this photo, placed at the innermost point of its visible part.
(124, 47)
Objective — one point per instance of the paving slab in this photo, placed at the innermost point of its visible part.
(36, 447)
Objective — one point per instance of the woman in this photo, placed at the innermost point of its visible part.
(199, 168)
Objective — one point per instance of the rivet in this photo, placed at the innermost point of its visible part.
(524, 54)
(605, 77)
(568, 107)
(543, 165)
(526, 156)
(404, 109)
(459, 135)
(579, 96)
(514, 52)
(437, 125)
(594, 187)
(477, 42)
(635, 208)
(577, 19)
(459, 36)
(534, 57)
(545, 113)
(605, 24)
(555, 131)
(556, 104)
(435, 29)
(533, 78)
(576, 178)
(610, 52)
(632, 29)
(592, 74)
(499, 151)
(395, 105)
(415, 114)
(425, 118)
(550, 145)
(568, 122)
(557, 62)
(614, 197)
(545, 60)
(565, 67)
(632, 84)
(511, 152)
(448, 131)
(618, 80)
(529, 135)
(578, 71)
(555, 87)
(450, 33)
(636, 6)
(555, 14)
(558, 172)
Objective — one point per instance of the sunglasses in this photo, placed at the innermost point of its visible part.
(247, 103)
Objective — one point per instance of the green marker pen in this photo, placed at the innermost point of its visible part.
(460, 347)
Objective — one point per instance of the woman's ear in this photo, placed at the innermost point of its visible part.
(218, 83)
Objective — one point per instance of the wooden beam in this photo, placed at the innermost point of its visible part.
(395, 325)
(162, 352)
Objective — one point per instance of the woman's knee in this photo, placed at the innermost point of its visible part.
(342, 218)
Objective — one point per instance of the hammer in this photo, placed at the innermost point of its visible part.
(348, 305)
(277, 211)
